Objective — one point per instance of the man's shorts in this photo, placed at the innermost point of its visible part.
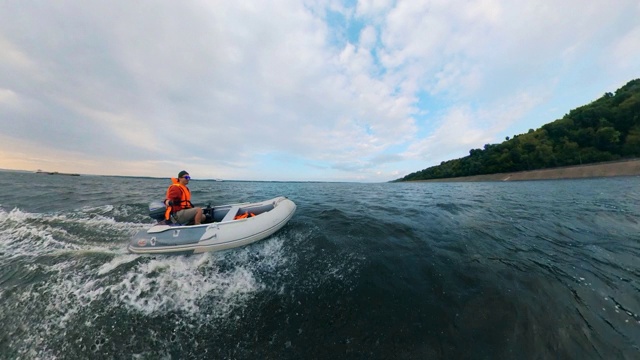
(185, 216)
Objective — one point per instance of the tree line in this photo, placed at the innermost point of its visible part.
(604, 130)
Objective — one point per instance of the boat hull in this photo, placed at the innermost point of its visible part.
(228, 231)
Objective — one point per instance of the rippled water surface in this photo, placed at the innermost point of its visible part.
(531, 270)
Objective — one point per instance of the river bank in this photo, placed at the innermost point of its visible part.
(612, 168)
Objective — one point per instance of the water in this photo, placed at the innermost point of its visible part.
(531, 270)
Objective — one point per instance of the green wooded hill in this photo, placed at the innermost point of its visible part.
(606, 129)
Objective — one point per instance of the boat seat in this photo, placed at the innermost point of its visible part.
(231, 214)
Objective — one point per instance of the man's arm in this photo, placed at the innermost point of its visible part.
(174, 196)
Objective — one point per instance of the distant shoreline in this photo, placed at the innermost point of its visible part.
(629, 167)
(55, 173)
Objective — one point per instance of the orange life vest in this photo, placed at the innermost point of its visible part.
(185, 199)
(244, 216)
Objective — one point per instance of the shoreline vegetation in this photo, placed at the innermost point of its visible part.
(629, 167)
(605, 131)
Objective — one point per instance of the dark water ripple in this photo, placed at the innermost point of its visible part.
(547, 269)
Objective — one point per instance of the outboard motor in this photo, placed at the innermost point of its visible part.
(157, 210)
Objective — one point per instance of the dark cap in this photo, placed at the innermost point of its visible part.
(182, 173)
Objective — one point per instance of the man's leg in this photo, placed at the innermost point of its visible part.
(186, 216)
(199, 218)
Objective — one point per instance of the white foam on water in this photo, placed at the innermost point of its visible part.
(99, 223)
(102, 208)
(205, 286)
(72, 295)
(269, 254)
(209, 285)
(76, 290)
(115, 262)
(182, 284)
(21, 234)
(33, 234)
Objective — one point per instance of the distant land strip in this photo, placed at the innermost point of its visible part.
(55, 173)
(629, 167)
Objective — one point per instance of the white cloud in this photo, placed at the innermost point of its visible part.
(625, 50)
(232, 86)
(370, 8)
(368, 37)
(462, 128)
(9, 98)
(10, 55)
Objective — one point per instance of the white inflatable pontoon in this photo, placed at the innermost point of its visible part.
(233, 225)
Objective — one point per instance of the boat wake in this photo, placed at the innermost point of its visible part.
(71, 270)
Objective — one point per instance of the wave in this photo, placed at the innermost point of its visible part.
(76, 273)
(24, 234)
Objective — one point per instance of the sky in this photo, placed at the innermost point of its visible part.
(295, 90)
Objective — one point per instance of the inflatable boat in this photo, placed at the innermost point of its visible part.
(228, 226)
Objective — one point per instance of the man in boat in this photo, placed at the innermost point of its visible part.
(178, 202)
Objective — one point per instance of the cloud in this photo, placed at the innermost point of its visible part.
(8, 98)
(624, 51)
(289, 90)
(372, 8)
(463, 127)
